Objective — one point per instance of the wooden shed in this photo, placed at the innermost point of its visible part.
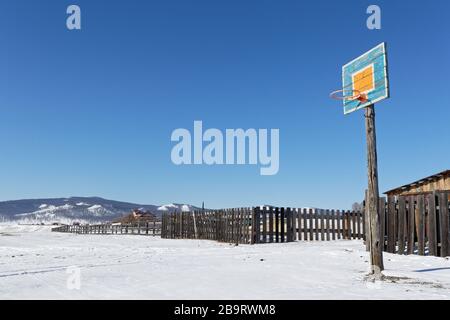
(436, 182)
(137, 216)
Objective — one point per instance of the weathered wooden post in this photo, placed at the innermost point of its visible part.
(375, 243)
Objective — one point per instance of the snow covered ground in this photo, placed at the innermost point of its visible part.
(34, 264)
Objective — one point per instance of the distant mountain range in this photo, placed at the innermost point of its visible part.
(83, 209)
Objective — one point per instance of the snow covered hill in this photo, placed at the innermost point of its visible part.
(83, 209)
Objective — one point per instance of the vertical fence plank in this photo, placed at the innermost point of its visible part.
(233, 224)
(391, 225)
(239, 221)
(327, 225)
(276, 224)
(420, 215)
(243, 214)
(271, 213)
(431, 225)
(282, 223)
(249, 223)
(304, 218)
(338, 225)
(316, 224)
(354, 217)
(348, 225)
(322, 224)
(411, 225)
(382, 210)
(345, 225)
(360, 225)
(333, 224)
(300, 224)
(253, 237)
(401, 225)
(311, 224)
(238, 226)
(244, 231)
(352, 224)
(444, 224)
(264, 222)
(363, 218)
(258, 226)
(276, 212)
(293, 224)
(288, 225)
(366, 222)
(243, 224)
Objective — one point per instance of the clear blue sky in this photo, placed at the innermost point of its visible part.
(91, 112)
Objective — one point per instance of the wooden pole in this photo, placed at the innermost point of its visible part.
(375, 243)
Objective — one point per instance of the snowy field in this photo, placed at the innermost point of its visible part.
(34, 262)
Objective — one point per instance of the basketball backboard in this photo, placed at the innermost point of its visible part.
(365, 79)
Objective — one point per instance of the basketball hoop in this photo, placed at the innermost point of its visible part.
(349, 95)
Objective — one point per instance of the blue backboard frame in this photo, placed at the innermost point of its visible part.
(376, 59)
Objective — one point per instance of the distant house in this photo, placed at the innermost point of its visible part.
(137, 215)
(437, 182)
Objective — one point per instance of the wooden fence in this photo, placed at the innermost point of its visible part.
(228, 225)
(264, 225)
(147, 228)
(416, 224)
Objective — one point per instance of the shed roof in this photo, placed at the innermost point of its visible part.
(421, 181)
